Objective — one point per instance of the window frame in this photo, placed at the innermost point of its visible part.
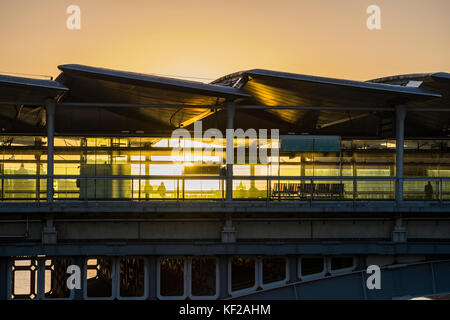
(275, 283)
(312, 276)
(113, 278)
(146, 279)
(342, 270)
(158, 278)
(230, 273)
(10, 276)
(72, 292)
(191, 296)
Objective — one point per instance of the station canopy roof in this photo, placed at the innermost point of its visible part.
(91, 84)
(28, 90)
(274, 88)
(18, 91)
(78, 83)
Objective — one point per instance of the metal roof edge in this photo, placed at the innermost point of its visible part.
(143, 78)
(32, 82)
(341, 82)
(441, 75)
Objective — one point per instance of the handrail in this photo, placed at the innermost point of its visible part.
(217, 177)
(277, 188)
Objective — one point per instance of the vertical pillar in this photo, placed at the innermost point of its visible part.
(4, 278)
(223, 277)
(40, 274)
(38, 180)
(80, 262)
(252, 174)
(37, 156)
(293, 268)
(152, 277)
(400, 115)
(50, 110)
(302, 165)
(231, 110)
(354, 174)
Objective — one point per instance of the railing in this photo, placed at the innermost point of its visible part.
(269, 188)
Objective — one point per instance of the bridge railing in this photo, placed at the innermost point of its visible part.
(213, 187)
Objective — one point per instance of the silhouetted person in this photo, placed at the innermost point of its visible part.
(147, 189)
(21, 187)
(223, 174)
(223, 171)
(162, 190)
(429, 191)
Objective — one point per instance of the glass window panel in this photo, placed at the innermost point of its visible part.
(137, 158)
(67, 142)
(204, 276)
(292, 158)
(289, 170)
(326, 172)
(65, 168)
(274, 270)
(421, 190)
(22, 262)
(171, 277)
(241, 170)
(376, 172)
(56, 278)
(341, 263)
(132, 277)
(311, 265)
(242, 273)
(22, 280)
(99, 278)
(66, 188)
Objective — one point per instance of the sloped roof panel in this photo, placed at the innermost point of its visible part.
(288, 88)
(90, 84)
(133, 80)
(28, 89)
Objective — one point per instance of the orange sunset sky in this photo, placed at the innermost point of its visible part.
(208, 39)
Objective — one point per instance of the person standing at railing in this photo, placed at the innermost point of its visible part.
(223, 171)
(428, 191)
(162, 190)
(147, 189)
(22, 188)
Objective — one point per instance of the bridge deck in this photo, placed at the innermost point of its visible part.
(227, 206)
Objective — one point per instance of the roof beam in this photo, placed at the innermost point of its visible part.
(247, 107)
(346, 119)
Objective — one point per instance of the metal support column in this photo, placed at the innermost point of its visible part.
(50, 110)
(40, 274)
(223, 277)
(80, 262)
(293, 268)
(231, 110)
(152, 277)
(4, 278)
(400, 115)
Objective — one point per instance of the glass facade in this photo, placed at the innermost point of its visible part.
(145, 169)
